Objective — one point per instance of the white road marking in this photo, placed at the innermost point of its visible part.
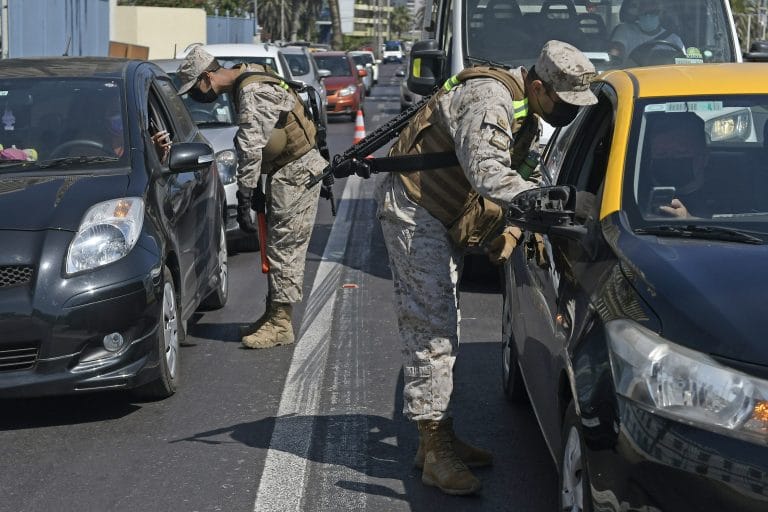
(281, 488)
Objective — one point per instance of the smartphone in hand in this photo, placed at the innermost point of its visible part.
(660, 196)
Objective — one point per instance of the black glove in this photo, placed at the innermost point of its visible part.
(352, 166)
(326, 189)
(244, 220)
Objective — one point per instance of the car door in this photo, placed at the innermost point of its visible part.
(560, 272)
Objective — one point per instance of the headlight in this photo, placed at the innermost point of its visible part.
(732, 126)
(685, 385)
(108, 232)
(226, 161)
(348, 90)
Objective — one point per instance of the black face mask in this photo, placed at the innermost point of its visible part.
(200, 97)
(561, 115)
(673, 172)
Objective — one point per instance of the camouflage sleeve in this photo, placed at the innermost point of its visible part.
(481, 123)
(260, 107)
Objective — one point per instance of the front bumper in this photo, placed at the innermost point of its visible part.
(657, 464)
(342, 104)
(59, 322)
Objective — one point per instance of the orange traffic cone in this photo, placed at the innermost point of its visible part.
(359, 127)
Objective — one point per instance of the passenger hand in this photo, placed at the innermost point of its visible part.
(675, 209)
(244, 201)
(501, 247)
(162, 142)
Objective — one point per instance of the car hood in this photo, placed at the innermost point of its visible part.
(334, 83)
(54, 202)
(220, 137)
(707, 294)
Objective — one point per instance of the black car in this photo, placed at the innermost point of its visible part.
(108, 244)
(634, 303)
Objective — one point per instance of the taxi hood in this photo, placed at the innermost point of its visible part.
(29, 203)
(709, 295)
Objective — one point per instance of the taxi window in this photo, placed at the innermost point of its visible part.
(184, 125)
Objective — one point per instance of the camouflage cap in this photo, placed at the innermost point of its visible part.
(568, 71)
(195, 63)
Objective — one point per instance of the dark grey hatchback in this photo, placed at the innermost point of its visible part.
(108, 243)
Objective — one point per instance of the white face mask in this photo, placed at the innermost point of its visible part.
(648, 22)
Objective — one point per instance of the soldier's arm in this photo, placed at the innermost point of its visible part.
(260, 108)
(482, 128)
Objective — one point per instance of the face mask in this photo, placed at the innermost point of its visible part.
(648, 22)
(561, 115)
(200, 97)
(675, 172)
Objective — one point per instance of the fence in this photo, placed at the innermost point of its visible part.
(43, 28)
(221, 29)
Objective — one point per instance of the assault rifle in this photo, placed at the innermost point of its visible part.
(352, 161)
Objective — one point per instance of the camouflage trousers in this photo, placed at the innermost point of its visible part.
(425, 268)
(291, 210)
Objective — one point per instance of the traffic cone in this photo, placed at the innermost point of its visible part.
(359, 127)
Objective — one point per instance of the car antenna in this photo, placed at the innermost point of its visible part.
(66, 50)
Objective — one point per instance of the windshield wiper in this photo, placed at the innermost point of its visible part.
(16, 162)
(702, 232)
(72, 160)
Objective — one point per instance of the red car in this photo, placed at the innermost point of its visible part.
(344, 86)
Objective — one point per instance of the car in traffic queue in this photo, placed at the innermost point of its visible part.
(637, 335)
(109, 245)
(361, 62)
(343, 86)
(370, 59)
(304, 69)
(217, 122)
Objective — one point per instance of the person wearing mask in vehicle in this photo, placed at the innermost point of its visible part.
(644, 27)
(489, 118)
(678, 156)
(276, 138)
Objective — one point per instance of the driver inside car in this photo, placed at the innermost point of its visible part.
(643, 29)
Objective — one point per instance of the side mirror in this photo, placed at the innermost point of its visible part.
(426, 67)
(378, 61)
(323, 73)
(362, 72)
(547, 210)
(758, 52)
(400, 72)
(190, 156)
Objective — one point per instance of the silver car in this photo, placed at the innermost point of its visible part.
(217, 122)
(304, 69)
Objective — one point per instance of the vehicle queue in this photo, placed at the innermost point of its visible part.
(665, 371)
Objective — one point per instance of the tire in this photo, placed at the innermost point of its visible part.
(247, 242)
(217, 299)
(511, 379)
(575, 493)
(169, 335)
(353, 116)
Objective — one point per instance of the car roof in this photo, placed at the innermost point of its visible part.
(168, 65)
(690, 80)
(65, 66)
(332, 54)
(241, 50)
(295, 50)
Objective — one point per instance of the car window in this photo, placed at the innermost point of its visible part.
(338, 65)
(44, 118)
(219, 112)
(183, 126)
(298, 63)
(707, 153)
(268, 62)
(512, 32)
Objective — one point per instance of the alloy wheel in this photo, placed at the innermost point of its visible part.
(170, 329)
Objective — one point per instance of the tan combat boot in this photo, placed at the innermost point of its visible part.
(252, 327)
(469, 455)
(442, 466)
(276, 329)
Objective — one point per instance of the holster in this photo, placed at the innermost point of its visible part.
(480, 220)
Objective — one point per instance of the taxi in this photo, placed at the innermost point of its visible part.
(634, 311)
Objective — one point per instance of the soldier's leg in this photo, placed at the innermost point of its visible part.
(291, 210)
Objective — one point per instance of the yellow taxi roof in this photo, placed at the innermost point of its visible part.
(690, 80)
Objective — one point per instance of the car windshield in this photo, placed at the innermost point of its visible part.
(338, 65)
(219, 112)
(61, 118)
(392, 47)
(614, 34)
(699, 161)
(298, 62)
(265, 61)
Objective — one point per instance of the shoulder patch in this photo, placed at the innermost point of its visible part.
(502, 123)
(499, 140)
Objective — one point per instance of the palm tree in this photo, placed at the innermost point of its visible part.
(338, 41)
(400, 20)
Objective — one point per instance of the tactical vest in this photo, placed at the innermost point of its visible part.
(445, 193)
(293, 135)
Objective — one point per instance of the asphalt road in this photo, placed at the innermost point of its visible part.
(312, 427)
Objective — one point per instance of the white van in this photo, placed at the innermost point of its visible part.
(511, 33)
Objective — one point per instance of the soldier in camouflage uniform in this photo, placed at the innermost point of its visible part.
(482, 119)
(276, 137)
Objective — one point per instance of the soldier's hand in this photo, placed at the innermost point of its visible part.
(501, 247)
(352, 166)
(244, 219)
